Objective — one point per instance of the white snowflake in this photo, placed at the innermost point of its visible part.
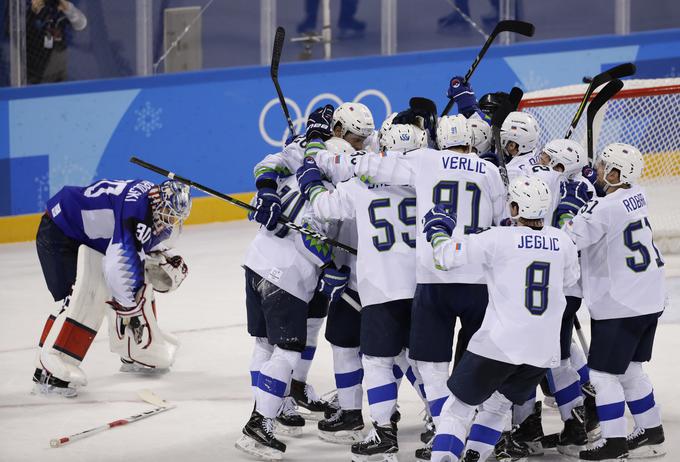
(148, 119)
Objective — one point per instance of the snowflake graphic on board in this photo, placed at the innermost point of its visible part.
(148, 119)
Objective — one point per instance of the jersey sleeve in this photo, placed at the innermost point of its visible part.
(498, 197)
(334, 205)
(572, 268)
(123, 262)
(378, 168)
(337, 167)
(473, 248)
(588, 226)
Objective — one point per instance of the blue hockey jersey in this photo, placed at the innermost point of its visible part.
(114, 218)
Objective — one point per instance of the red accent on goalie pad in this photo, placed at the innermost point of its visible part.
(74, 339)
(46, 330)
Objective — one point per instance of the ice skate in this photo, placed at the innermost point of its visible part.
(573, 438)
(343, 427)
(646, 443)
(510, 450)
(258, 439)
(429, 432)
(426, 452)
(289, 422)
(379, 446)
(311, 407)
(592, 420)
(49, 385)
(470, 456)
(610, 449)
(530, 432)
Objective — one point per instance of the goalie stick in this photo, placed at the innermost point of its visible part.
(232, 200)
(617, 72)
(497, 120)
(279, 38)
(607, 93)
(518, 27)
(145, 395)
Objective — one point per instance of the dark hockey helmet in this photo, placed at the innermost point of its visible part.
(490, 102)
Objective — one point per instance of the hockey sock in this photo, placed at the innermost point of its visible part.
(434, 377)
(400, 367)
(302, 369)
(579, 362)
(451, 430)
(262, 351)
(488, 425)
(273, 380)
(413, 376)
(610, 406)
(349, 374)
(381, 387)
(565, 384)
(521, 411)
(637, 388)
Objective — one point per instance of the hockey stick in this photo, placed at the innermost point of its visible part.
(499, 116)
(617, 72)
(274, 72)
(581, 336)
(518, 27)
(232, 200)
(607, 93)
(146, 395)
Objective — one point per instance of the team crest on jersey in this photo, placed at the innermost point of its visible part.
(143, 233)
(404, 137)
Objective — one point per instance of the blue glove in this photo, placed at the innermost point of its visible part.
(333, 282)
(308, 176)
(319, 124)
(438, 220)
(589, 174)
(491, 157)
(463, 95)
(268, 205)
(574, 195)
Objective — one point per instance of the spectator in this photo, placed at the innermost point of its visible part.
(47, 22)
(348, 24)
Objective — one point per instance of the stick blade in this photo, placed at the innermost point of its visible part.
(518, 27)
(515, 97)
(152, 398)
(621, 71)
(279, 39)
(422, 104)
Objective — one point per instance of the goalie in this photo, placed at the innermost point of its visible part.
(103, 252)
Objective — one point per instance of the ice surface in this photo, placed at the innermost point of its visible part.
(209, 382)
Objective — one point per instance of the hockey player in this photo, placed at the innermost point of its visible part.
(92, 245)
(623, 286)
(459, 180)
(526, 268)
(519, 138)
(385, 221)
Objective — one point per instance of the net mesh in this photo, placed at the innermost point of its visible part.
(646, 114)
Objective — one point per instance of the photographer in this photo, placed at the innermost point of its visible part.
(46, 24)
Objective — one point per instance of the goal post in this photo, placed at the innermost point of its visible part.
(646, 114)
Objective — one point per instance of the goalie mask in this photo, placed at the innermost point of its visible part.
(170, 205)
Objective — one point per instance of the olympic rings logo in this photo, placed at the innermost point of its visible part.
(299, 118)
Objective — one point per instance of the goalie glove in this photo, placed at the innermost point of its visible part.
(165, 272)
(130, 321)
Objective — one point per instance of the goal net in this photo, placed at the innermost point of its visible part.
(646, 114)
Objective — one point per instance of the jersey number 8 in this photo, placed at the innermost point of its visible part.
(536, 288)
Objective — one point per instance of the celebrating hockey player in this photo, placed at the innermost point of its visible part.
(519, 138)
(623, 286)
(526, 269)
(93, 244)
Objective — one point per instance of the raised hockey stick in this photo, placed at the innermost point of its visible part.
(518, 27)
(607, 93)
(232, 200)
(617, 72)
(146, 395)
(499, 116)
(279, 38)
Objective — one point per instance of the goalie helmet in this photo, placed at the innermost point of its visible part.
(532, 196)
(170, 205)
(453, 131)
(354, 118)
(521, 128)
(481, 134)
(339, 146)
(626, 159)
(401, 137)
(567, 153)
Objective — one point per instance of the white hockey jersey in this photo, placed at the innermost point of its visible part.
(471, 186)
(521, 165)
(385, 221)
(526, 272)
(623, 274)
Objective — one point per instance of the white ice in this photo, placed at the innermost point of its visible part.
(209, 382)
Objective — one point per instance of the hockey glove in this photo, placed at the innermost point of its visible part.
(333, 282)
(309, 178)
(490, 156)
(319, 124)
(589, 174)
(268, 205)
(574, 195)
(438, 221)
(463, 95)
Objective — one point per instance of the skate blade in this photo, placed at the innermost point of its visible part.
(137, 369)
(535, 448)
(342, 437)
(284, 430)
(594, 434)
(44, 389)
(647, 452)
(570, 450)
(310, 415)
(375, 458)
(252, 447)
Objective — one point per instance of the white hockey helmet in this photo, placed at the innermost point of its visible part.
(626, 159)
(338, 146)
(481, 134)
(522, 128)
(354, 118)
(401, 137)
(532, 196)
(567, 153)
(453, 131)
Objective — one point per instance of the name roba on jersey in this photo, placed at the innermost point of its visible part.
(469, 164)
(533, 241)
